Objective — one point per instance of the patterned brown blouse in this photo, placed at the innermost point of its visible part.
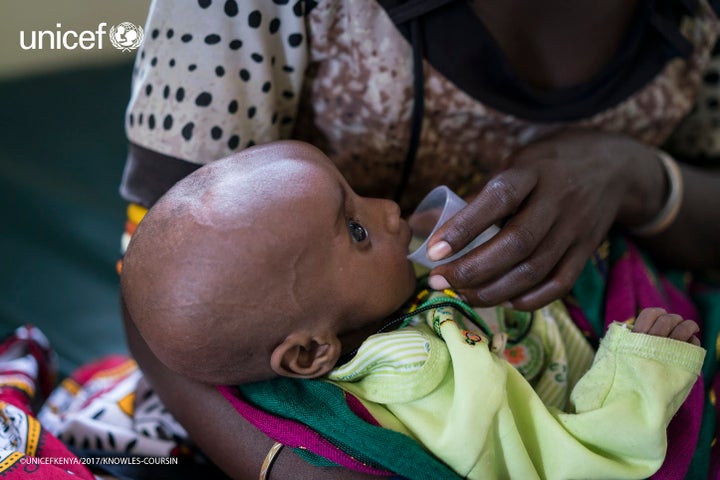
(212, 79)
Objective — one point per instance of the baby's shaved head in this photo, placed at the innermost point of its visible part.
(212, 275)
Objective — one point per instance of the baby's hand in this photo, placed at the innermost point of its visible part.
(656, 321)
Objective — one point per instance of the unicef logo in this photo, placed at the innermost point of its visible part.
(126, 36)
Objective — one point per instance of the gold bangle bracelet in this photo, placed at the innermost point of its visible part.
(269, 460)
(669, 212)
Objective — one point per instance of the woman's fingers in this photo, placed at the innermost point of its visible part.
(558, 196)
(500, 198)
(517, 274)
(534, 259)
(515, 242)
(558, 284)
(501, 254)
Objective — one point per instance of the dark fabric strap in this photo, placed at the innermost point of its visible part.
(148, 175)
(418, 110)
(405, 12)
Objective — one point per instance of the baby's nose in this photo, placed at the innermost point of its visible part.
(392, 212)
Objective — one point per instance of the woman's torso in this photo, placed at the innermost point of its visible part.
(340, 75)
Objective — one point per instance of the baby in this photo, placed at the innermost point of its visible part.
(265, 264)
(268, 264)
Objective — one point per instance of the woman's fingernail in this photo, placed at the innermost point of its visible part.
(439, 251)
(438, 282)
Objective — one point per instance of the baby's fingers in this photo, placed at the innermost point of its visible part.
(646, 319)
(686, 331)
(656, 321)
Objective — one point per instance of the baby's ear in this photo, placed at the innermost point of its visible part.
(306, 355)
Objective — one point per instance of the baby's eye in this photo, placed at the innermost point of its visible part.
(357, 231)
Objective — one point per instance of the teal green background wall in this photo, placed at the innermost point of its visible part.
(62, 149)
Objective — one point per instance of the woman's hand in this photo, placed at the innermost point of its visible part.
(558, 197)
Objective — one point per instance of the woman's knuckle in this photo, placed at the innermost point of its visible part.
(460, 232)
(464, 273)
(561, 286)
(531, 273)
(528, 305)
(519, 241)
(482, 299)
(502, 192)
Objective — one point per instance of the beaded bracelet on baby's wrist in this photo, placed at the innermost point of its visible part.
(669, 212)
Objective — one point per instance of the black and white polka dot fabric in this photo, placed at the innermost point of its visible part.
(216, 76)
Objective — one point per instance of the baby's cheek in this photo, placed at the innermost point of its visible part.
(410, 279)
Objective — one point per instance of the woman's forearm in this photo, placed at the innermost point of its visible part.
(235, 445)
(693, 239)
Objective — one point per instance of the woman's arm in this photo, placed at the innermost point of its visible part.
(235, 445)
(693, 239)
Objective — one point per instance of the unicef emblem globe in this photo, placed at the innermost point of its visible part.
(126, 36)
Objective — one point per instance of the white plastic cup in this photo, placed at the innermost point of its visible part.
(435, 209)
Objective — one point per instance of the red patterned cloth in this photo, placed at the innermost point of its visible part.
(27, 450)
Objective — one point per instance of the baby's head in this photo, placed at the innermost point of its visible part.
(264, 263)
